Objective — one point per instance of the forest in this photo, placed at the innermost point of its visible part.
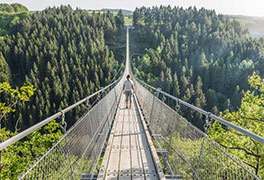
(253, 24)
(66, 55)
(63, 53)
(10, 15)
(209, 61)
(60, 55)
(196, 55)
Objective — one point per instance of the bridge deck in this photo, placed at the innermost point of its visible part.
(127, 155)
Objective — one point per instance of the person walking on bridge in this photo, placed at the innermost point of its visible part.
(128, 87)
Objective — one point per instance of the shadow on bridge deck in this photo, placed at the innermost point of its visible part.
(128, 155)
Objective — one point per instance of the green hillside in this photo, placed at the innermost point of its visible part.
(11, 14)
(196, 55)
(255, 25)
(206, 60)
(128, 15)
(64, 54)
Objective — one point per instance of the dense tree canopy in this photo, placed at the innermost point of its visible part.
(67, 54)
(250, 116)
(18, 157)
(13, 7)
(205, 59)
(63, 53)
(10, 14)
(196, 55)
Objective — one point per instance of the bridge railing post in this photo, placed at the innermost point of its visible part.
(187, 149)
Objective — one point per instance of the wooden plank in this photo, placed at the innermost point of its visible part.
(124, 166)
(147, 162)
(138, 176)
(143, 149)
(103, 168)
(154, 154)
(136, 163)
(113, 162)
(128, 155)
(125, 176)
(151, 176)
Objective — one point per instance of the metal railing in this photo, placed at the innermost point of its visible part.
(208, 114)
(78, 151)
(185, 149)
(34, 128)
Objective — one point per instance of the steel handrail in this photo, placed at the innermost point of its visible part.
(39, 125)
(206, 113)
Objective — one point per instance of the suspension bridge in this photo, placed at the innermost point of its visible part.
(149, 141)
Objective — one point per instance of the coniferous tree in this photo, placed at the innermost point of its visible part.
(195, 43)
(63, 53)
(119, 18)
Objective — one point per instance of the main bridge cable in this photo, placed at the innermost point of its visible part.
(63, 126)
(205, 113)
(168, 143)
(195, 171)
(207, 126)
(39, 125)
(164, 155)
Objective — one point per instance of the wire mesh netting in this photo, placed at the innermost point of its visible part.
(188, 151)
(78, 151)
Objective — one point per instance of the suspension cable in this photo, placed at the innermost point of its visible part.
(37, 126)
(210, 115)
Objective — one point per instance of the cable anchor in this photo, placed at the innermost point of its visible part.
(63, 123)
(208, 122)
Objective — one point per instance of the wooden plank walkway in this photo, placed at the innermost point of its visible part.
(128, 155)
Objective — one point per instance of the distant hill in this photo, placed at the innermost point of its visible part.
(12, 7)
(255, 25)
(124, 11)
(128, 15)
(10, 14)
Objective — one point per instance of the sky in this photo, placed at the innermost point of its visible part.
(236, 7)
